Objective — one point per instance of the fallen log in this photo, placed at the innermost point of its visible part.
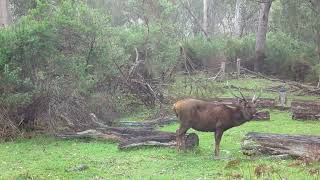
(129, 138)
(305, 116)
(191, 141)
(305, 110)
(295, 146)
(301, 106)
(149, 124)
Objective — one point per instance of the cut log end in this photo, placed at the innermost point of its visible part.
(192, 141)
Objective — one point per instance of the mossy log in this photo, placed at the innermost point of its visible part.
(296, 146)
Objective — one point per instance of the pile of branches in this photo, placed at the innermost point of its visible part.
(140, 84)
(8, 127)
(48, 112)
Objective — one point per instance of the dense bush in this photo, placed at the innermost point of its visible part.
(58, 52)
(284, 54)
(62, 51)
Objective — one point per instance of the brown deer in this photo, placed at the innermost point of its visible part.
(212, 117)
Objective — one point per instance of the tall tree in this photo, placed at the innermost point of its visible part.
(205, 16)
(4, 13)
(261, 34)
(239, 21)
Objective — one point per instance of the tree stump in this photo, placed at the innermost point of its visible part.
(296, 146)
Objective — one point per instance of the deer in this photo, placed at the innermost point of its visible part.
(214, 117)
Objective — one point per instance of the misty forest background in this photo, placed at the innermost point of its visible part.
(63, 59)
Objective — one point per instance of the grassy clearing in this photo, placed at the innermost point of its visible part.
(48, 158)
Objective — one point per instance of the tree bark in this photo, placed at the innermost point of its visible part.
(296, 146)
(205, 16)
(261, 34)
(239, 21)
(4, 13)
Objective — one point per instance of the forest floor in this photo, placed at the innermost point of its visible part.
(45, 157)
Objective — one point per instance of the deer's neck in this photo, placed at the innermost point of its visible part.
(246, 115)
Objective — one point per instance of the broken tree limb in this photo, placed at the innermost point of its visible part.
(296, 146)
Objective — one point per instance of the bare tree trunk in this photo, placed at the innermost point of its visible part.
(239, 21)
(261, 34)
(318, 52)
(205, 16)
(318, 44)
(4, 13)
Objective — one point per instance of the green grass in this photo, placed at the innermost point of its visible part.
(48, 158)
(45, 157)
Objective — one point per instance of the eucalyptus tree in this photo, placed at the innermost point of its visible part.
(261, 34)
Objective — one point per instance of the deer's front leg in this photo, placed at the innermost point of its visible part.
(180, 133)
(218, 136)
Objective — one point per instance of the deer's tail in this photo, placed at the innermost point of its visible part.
(174, 109)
